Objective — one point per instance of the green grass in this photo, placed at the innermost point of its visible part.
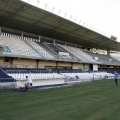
(98, 100)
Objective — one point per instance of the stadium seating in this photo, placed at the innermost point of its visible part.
(15, 46)
(43, 77)
(5, 78)
(40, 50)
(54, 49)
(116, 57)
(21, 73)
(67, 70)
(104, 59)
(79, 54)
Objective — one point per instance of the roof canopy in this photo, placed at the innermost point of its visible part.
(21, 16)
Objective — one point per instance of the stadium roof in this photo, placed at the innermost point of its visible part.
(21, 16)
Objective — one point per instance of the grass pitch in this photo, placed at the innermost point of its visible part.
(98, 100)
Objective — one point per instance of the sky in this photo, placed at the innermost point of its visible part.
(102, 16)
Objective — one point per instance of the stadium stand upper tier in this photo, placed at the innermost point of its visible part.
(116, 57)
(16, 46)
(80, 54)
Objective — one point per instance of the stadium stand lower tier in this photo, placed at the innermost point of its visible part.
(42, 77)
(5, 78)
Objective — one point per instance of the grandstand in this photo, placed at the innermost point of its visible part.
(50, 49)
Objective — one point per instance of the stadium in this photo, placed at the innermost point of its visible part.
(54, 52)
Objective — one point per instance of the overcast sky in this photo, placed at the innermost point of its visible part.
(102, 16)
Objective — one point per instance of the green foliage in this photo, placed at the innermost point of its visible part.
(98, 100)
